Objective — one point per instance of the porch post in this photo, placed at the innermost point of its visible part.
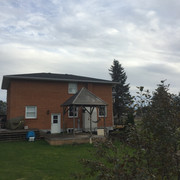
(90, 122)
(105, 133)
(91, 111)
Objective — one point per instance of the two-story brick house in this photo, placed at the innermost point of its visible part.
(39, 97)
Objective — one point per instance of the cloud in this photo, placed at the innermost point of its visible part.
(157, 68)
(83, 37)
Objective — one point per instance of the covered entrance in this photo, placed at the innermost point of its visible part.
(88, 102)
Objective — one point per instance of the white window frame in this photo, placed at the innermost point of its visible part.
(28, 110)
(99, 111)
(72, 88)
(76, 112)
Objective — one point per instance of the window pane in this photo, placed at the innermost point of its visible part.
(72, 88)
(30, 109)
(55, 117)
(31, 112)
(70, 112)
(102, 111)
(55, 121)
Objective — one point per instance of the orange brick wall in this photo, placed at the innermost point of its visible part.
(48, 96)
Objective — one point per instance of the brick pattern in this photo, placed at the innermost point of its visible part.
(48, 97)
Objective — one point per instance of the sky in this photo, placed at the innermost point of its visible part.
(83, 37)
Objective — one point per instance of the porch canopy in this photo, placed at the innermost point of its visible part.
(83, 98)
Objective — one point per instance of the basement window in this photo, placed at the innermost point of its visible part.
(72, 88)
(102, 111)
(31, 112)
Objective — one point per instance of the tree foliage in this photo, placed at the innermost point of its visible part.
(3, 108)
(122, 96)
(154, 143)
(158, 135)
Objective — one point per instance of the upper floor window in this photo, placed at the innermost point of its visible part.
(102, 111)
(72, 88)
(31, 112)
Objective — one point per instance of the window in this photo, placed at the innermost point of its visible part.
(55, 119)
(102, 110)
(31, 112)
(72, 88)
(70, 112)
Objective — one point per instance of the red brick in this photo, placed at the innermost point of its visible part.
(48, 97)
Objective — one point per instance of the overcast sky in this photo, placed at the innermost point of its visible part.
(83, 37)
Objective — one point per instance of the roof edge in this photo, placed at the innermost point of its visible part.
(72, 100)
(7, 78)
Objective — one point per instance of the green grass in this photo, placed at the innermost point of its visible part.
(38, 160)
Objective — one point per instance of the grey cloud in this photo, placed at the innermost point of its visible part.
(149, 79)
(160, 69)
(88, 35)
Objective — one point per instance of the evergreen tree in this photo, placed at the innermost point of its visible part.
(121, 94)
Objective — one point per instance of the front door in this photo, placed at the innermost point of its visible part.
(86, 120)
(55, 123)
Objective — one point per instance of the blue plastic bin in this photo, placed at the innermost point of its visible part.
(30, 135)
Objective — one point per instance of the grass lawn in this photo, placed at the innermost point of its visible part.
(38, 160)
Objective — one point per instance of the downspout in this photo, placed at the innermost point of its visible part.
(73, 120)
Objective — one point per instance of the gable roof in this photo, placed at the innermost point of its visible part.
(51, 77)
(84, 98)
